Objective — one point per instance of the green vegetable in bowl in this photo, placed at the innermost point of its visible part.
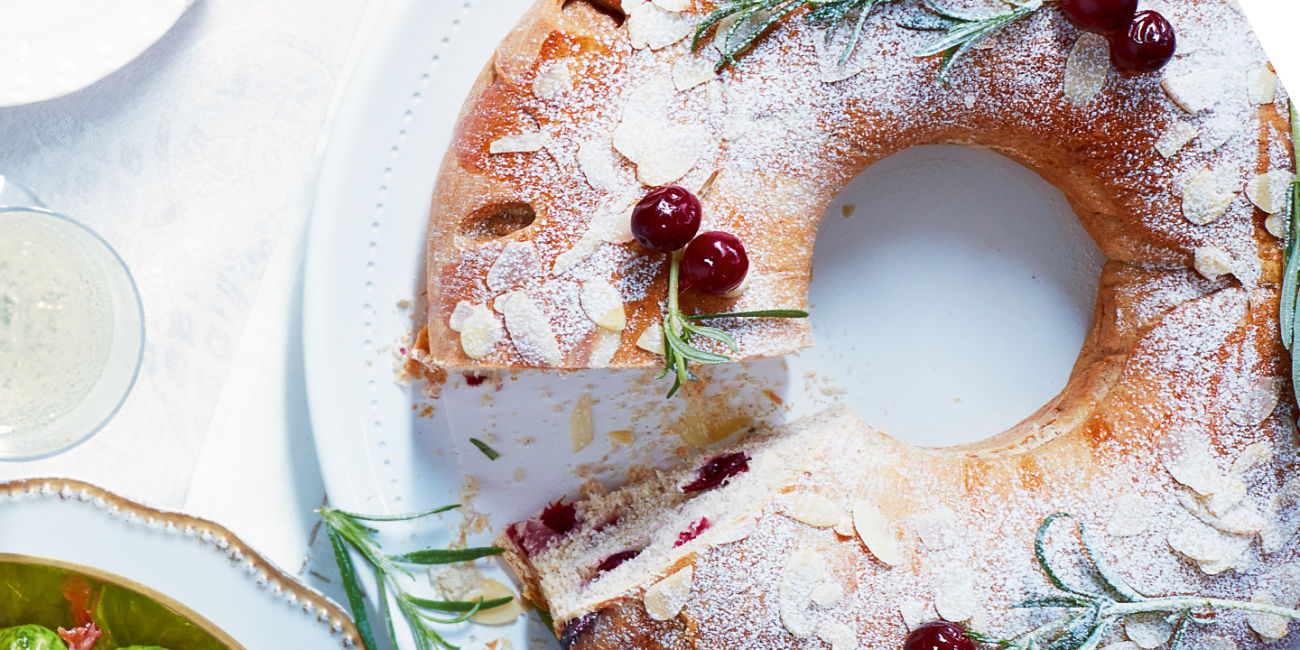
(30, 637)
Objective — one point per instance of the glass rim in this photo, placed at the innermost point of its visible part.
(136, 302)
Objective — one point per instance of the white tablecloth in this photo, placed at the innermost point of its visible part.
(197, 162)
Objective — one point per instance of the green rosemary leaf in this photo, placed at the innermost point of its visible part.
(1040, 553)
(356, 600)
(491, 453)
(1110, 578)
(1051, 601)
(459, 605)
(1098, 635)
(1290, 273)
(402, 517)
(386, 610)
(1076, 633)
(686, 351)
(446, 556)
(547, 620)
(967, 30)
(1180, 631)
(762, 313)
(715, 334)
(924, 21)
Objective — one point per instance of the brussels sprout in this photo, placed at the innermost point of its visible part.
(30, 637)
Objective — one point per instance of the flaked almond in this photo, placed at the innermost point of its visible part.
(832, 64)
(827, 593)
(625, 436)
(1202, 543)
(1212, 262)
(1268, 191)
(478, 327)
(652, 339)
(1277, 225)
(1176, 137)
(1269, 627)
(518, 143)
(1205, 198)
(554, 80)
(954, 596)
(876, 534)
(937, 528)
(663, 149)
(1121, 645)
(673, 5)
(1261, 86)
(1253, 458)
(1148, 629)
(1194, 91)
(649, 26)
(1216, 642)
(1230, 492)
(603, 348)
(665, 599)
(837, 635)
(1239, 520)
(915, 613)
(810, 508)
(529, 329)
(803, 573)
(1195, 469)
(603, 305)
(505, 614)
(611, 223)
(732, 531)
(581, 430)
(691, 70)
(517, 264)
(1086, 69)
(596, 159)
(1131, 516)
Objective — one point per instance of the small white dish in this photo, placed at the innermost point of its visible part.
(54, 47)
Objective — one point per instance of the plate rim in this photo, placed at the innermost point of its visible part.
(326, 612)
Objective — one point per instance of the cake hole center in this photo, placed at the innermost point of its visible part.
(953, 288)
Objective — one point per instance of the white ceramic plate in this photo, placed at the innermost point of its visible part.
(50, 48)
(194, 562)
(951, 305)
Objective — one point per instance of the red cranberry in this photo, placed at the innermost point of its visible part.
(614, 561)
(560, 517)
(1146, 45)
(692, 531)
(474, 380)
(938, 635)
(717, 470)
(1100, 16)
(715, 263)
(666, 218)
(576, 628)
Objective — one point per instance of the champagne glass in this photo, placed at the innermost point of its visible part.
(71, 329)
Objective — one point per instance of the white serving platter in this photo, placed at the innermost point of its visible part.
(951, 305)
(194, 562)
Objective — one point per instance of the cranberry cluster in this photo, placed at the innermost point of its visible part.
(938, 635)
(668, 218)
(1139, 41)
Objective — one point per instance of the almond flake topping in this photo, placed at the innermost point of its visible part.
(603, 305)
(838, 635)
(1253, 458)
(663, 150)
(937, 528)
(505, 614)
(604, 348)
(1195, 91)
(650, 26)
(673, 5)
(1212, 262)
(691, 70)
(1216, 642)
(529, 328)
(1086, 69)
(478, 327)
(554, 80)
(665, 599)
(1262, 86)
(611, 223)
(652, 339)
(581, 429)
(875, 533)
(1213, 551)
(1121, 645)
(954, 597)
(1176, 137)
(1206, 198)
(914, 613)
(1269, 627)
(520, 143)
(1148, 630)
(810, 508)
(803, 574)
(1276, 225)
(517, 264)
(1268, 191)
(1131, 516)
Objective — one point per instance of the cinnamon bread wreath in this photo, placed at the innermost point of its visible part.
(1170, 442)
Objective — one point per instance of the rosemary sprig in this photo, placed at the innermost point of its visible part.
(964, 30)
(679, 328)
(1289, 309)
(491, 453)
(1091, 611)
(752, 18)
(346, 529)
